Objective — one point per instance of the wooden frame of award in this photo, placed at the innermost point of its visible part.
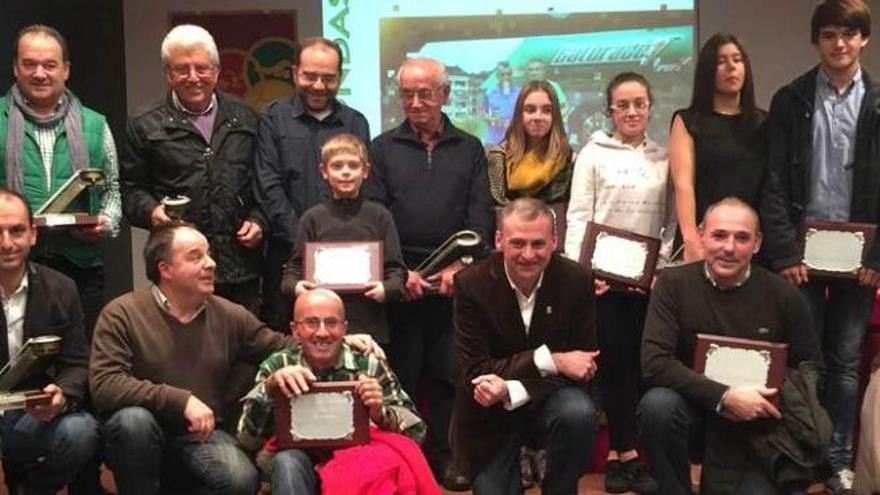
(33, 356)
(52, 214)
(620, 256)
(329, 415)
(739, 362)
(836, 249)
(343, 266)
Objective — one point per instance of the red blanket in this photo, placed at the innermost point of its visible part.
(390, 464)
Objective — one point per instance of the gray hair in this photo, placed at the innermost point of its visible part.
(189, 36)
(430, 65)
(528, 209)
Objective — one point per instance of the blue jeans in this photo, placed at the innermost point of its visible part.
(141, 454)
(567, 420)
(672, 430)
(839, 323)
(293, 473)
(50, 454)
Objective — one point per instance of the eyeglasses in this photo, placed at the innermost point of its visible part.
(423, 94)
(186, 70)
(312, 78)
(639, 105)
(313, 323)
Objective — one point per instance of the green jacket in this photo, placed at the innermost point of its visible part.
(57, 243)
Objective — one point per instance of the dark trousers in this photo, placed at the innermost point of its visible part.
(421, 354)
(277, 307)
(672, 431)
(840, 311)
(144, 458)
(89, 283)
(567, 422)
(620, 317)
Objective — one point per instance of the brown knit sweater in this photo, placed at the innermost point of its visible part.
(142, 356)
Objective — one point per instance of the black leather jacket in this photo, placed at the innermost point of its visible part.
(790, 158)
(166, 155)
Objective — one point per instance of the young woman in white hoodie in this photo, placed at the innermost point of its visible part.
(622, 180)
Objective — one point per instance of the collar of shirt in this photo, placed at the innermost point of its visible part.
(299, 109)
(54, 111)
(179, 105)
(825, 87)
(714, 282)
(20, 290)
(163, 303)
(526, 303)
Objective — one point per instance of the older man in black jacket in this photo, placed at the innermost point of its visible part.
(199, 143)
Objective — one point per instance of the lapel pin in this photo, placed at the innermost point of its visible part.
(549, 310)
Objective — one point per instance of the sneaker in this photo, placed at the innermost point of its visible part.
(640, 480)
(616, 477)
(841, 483)
(525, 468)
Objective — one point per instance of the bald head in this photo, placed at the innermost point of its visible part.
(317, 297)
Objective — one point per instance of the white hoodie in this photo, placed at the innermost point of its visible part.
(621, 186)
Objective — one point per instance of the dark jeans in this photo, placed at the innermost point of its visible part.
(293, 473)
(143, 457)
(90, 284)
(422, 356)
(840, 321)
(246, 293)
(672, 431)
(567, 422)
(46, 456)
(620, 317)
(277, 307)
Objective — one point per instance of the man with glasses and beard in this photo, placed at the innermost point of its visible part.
(289, 139)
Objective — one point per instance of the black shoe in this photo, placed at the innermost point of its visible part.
(616, 477)
(640, 480)
(454, 481)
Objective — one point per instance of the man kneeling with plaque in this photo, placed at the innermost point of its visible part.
(728, 296)
(323, 356)
(51, 439)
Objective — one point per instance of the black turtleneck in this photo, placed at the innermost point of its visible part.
(352, 220)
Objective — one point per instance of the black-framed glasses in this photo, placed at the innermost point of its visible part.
(313, 323)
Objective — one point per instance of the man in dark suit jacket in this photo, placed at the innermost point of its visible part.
(51, 441)
(524, 331)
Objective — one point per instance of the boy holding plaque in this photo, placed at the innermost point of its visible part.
(824, 166)
(348, 217)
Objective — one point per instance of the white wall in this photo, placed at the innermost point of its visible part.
(776, 34)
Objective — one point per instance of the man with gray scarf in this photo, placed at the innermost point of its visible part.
(46, 135)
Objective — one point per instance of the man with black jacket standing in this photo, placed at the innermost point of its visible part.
(433, 178)
(824, 164)
(199, 143)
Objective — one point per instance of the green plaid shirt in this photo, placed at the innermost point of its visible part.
(398, 411)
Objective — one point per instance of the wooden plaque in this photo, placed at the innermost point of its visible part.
(836, 249)
(343, 266)
(620, 256)
(20, 400)
(65, 219)
(738, 362)
(329, 415)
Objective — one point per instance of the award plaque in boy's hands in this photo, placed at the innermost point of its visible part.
(329, 415)
(836, 249)
(620, 256)
(343, 266)
(53, 213)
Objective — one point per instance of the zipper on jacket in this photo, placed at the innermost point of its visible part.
(429, 159)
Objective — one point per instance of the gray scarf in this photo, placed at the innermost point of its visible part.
(68, 111)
